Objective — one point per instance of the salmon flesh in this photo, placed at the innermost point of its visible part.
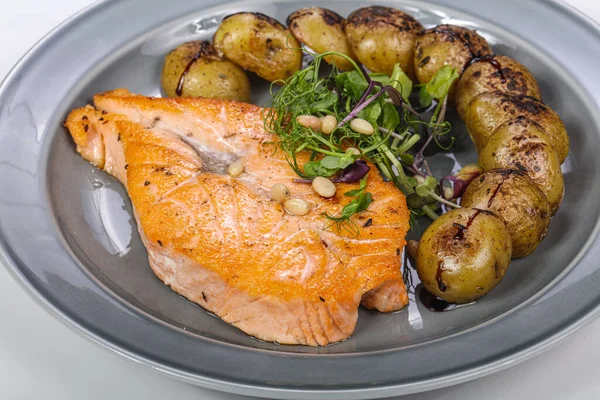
(220, 241)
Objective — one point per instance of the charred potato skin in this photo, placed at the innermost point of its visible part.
(513, 196)
(208, 74)
(451, 250)
(259, 44)
(487, 111)
(508, 76)
(447, 44)
(322, 30)
(380, 37)
(522, 144)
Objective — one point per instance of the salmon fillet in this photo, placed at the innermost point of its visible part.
(222, 242)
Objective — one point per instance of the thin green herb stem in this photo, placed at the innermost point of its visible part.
(384, 169)
(429, 212)
(301, 147)
(377, 145)
(324, 141)
(408, 144)
(391, 133)
(401, 175)
(436, 112)
(323, 151)
(393, 176)
(359, 108)
(442, 200)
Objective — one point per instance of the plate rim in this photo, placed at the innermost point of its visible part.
(233, 387)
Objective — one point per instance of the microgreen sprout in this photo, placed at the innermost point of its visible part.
(396, 144)
(362, 200)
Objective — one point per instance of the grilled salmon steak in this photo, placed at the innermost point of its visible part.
(221, 241)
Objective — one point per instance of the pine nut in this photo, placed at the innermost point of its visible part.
(235, 168)
(296, 207)
(353, 151)
(280, 192)
(324, 187)
(328, 124)
(309, 121)
(362, 126)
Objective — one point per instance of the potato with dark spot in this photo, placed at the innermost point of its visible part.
(447, 45)
(487, 111)
(495, 73)
(382, 37)
(322, 30)
(259, 44)
(513, 196)
(194, 69)
(522, 144)
(463, 254)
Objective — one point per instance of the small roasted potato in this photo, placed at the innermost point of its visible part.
(382, 37)
(447, 45)
(322, 30)
(522, 144)
(463, 254)
(194, 69)
(494, 73)
(513, 196)
(487, 111)
(259, 44)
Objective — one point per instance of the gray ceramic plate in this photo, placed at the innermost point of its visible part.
(67, 234)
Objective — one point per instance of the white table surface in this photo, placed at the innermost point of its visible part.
(42, 359)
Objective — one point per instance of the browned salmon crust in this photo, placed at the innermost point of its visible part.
(221, 241)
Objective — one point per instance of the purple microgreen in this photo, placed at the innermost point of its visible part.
(461, 180)
(359, 107)
(442, 114)
(353, 173)
(364, 72)
(419, 157)
(395, 97)
(368, 91)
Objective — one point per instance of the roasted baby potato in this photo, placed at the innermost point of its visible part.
(513, 196)
(194, 69)
(487, 111)
(522, 144)
(322, 30)
(463, 254)
(495, 73)
(447, 45)
(382, 37)
(259, 44)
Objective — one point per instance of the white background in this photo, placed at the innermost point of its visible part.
(42, 359)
